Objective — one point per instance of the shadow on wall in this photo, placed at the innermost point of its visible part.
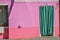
(11, 6)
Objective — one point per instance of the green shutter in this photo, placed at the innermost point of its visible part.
(46, 20)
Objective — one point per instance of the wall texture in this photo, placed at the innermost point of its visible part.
(27, 17)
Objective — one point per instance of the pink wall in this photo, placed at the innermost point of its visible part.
(27, 16)
(3, 1)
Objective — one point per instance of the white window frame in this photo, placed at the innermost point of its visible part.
(3, 3)
(2, 30)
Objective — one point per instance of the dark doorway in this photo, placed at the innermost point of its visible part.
(4, 20)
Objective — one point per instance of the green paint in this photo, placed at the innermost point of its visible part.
(46, 20)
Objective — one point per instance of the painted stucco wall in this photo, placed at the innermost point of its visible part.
(3, 1)
(27, 16)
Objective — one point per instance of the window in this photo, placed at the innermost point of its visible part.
(3, 16)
